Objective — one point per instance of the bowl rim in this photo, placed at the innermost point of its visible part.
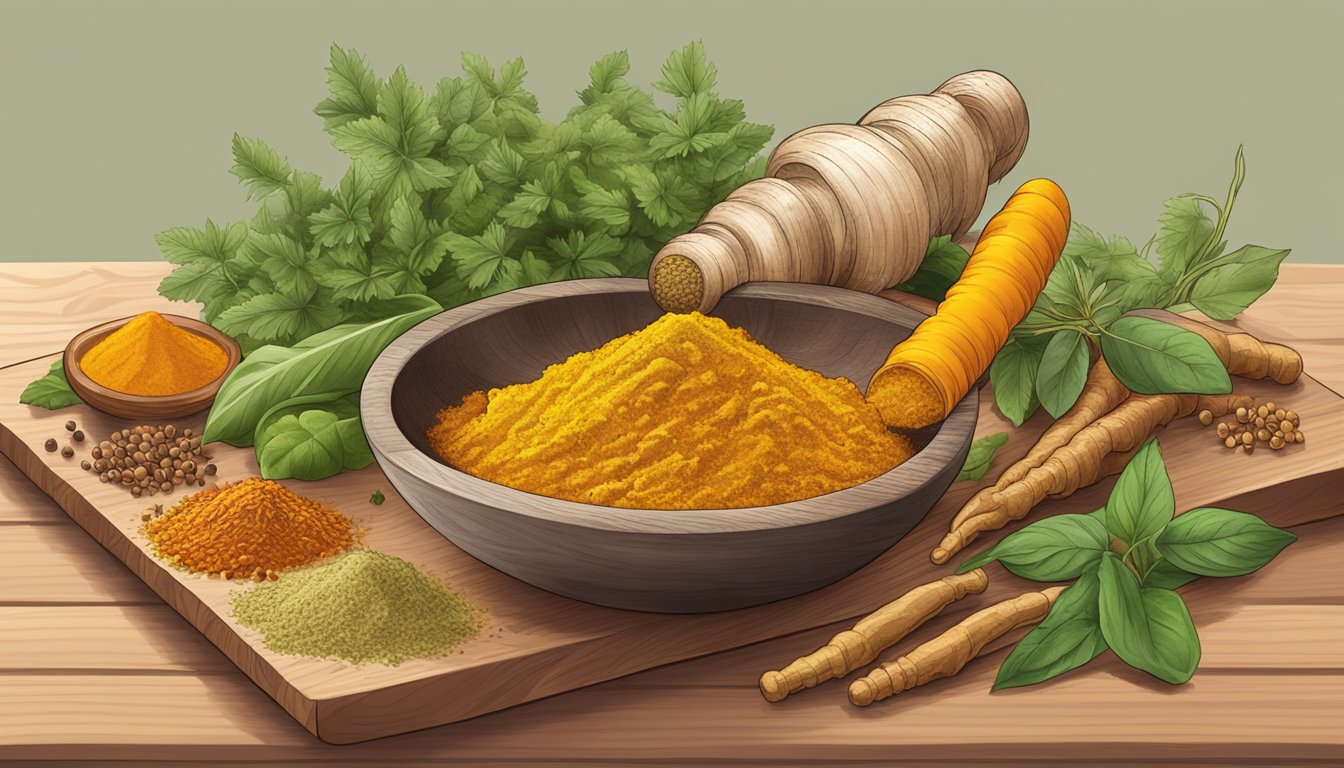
(392, 447)
(80, 343)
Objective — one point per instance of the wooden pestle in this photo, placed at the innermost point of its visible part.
(853, 205)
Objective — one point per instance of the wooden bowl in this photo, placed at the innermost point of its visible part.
(653, 560)
(145, 406)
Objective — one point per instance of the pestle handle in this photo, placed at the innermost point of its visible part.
(853, 205)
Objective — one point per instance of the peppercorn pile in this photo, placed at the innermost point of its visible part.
(252, 529)
(150, 459)
(1267, 424)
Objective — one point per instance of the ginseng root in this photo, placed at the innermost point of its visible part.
(947, 653)
(1083, 461)
(883, 628)
(1243, 354)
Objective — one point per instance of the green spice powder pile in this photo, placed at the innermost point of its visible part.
(362, 606)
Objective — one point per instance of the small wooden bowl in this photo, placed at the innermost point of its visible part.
(676, 561)
(145, 406)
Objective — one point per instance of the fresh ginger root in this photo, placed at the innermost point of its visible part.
(946, 654)
(1103, 394)
(876, 632)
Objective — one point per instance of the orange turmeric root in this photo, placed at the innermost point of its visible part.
(876, 632)
(1243, 354)
(947, 653)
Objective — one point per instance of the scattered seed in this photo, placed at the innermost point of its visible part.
(1242, 415)
(211, 469)
(1276, 442)
(1206, 417)
(78, 437)
(70, 426)
(1247, 439)
(85, 465)
(50, 445)
(1262, 434)
(1230, 442)
(68, 452)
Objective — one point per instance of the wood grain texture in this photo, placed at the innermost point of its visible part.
(47, 303)
(539, 643)
(678, 561)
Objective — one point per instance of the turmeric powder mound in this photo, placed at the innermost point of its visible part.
(252, 529)
(151, 356)
(686, 413)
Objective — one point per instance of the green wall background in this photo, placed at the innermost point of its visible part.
(117, 115)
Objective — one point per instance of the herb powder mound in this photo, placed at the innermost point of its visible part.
(252, 529)
(687, 413)
(361, 607)
(152, 356)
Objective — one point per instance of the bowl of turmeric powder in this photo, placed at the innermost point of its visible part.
(579, 438)
(151, 365)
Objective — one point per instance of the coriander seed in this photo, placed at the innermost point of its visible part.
(50, 445)
(1206, 417)
(70, 426)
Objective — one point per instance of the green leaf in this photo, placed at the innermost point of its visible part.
(1054, 549)
(1166, 575)
(605, 75)
(354, 89)
(363, 282)
(504, 165)
(580, 255)
(1013, 374)
(285, 262)
(1148, 628)
(334, 360)
(480, 259)
(278, 317)
(1062, 371)
(259, 167)
(1219, 542)
(348, 219)
(1152, 357)
(981, 454)
(608, 143)
(1184, 229)
(942, 265)
(312, 444)
(457, 102)
(1069, 637)
(1244, 275)
(52, 391)
(1142, 501)
(662, 194)
(687, 72)
(1113, 258)
(183, 245)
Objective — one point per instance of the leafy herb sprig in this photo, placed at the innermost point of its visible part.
(1127, 558)
(1098, 279)
(463, 190)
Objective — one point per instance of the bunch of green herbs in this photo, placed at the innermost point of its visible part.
(461, 191)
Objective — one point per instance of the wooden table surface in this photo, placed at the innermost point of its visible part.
(95, 668)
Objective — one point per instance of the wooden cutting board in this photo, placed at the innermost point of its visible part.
(538, 644)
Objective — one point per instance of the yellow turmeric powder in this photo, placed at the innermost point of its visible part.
(251, 529)
(151, 356)
(686, 413)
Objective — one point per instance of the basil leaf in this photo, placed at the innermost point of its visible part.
(334, 360)
(312, 444)
(1062, 372)
(1167, 575)
(1220, 542)
(1142, 501)
(1228, 289)
(1069, 637)
(52, 391)
(1054, 549)
(1152, 357)
(1148, 628)
(1013, 376)
(981, 454)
